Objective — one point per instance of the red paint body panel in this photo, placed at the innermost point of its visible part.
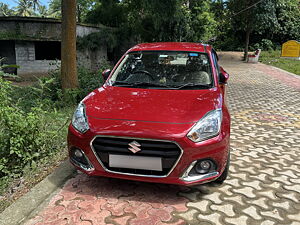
(156, 114)
(151, 104)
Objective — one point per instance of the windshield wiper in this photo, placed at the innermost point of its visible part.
(202, 86)
(143, 84)
(121, 83)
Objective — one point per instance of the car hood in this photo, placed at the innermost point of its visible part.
(151, 105)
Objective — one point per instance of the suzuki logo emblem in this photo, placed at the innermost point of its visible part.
(134, 146)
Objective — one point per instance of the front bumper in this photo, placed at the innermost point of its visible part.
(215, 149)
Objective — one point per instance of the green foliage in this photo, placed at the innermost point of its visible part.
(155, 20)
(203, 24)
(30, 125)
(48, 93)
(26, 7)
(5, 66)
(111, 13)
(83, 7)
(257, 17)
(95, 41)
(25, 137)
(265, 45)
(148, 20)
(273, 58)
(5, 10)
(288, 15)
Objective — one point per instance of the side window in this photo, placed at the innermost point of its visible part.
(216, 64)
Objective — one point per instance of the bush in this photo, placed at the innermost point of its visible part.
(47, 91)
(265, 45)
(24, 136)
(31, 129)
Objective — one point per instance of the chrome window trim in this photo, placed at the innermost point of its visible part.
(133, 138)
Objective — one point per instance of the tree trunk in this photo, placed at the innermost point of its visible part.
(248, 31)
(69, 77)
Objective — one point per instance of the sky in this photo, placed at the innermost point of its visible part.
(12, 3)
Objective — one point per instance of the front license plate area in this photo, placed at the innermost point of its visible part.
(135, 162)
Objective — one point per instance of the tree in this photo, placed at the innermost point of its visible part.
(68, 46)
(24, 8)
(55, 8)
(203, 23)
(29, 8)
(288, 15)
(111, 13)
(156, 20)
(43, 11)
(35, 4)
(252, 15)
(5, 10)
(82, 8)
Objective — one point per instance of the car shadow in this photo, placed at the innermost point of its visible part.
(113, 190)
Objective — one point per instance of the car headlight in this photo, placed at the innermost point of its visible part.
(207, 127)
(79, 120)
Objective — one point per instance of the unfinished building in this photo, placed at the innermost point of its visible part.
(34, 44)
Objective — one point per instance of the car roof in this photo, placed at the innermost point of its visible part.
(171, 46)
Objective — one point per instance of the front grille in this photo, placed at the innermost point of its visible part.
(169, 152)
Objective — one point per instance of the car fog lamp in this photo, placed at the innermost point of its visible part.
(203, 166)
(78, 153)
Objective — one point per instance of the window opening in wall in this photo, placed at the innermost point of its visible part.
(8, 55)
(47, 50)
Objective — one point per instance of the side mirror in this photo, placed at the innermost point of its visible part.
(223, 76)
(105, 74)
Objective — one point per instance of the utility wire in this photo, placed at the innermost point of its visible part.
(251, 6)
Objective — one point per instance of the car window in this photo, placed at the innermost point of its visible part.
(215, 59)
(164, 69)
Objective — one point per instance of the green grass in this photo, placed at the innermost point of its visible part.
(273, 58)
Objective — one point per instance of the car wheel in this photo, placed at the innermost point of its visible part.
(224, 175)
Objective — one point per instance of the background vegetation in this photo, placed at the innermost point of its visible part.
(228, 24)
(33, 119)
(33, 127)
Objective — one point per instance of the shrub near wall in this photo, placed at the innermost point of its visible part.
(33, 122)
(24, 137)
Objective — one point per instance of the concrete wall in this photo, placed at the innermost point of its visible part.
(25, 58)
(24, 31)
(29, 66)
(82, 30)
(27, 28)
(91, 59)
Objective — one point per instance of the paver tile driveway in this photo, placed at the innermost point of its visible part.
(264, 182)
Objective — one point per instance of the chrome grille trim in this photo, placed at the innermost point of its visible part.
(134, 138)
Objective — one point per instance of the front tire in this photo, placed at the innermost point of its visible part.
(224, 175)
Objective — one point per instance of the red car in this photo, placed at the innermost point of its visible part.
(161, 116)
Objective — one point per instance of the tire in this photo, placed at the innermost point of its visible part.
(224, 175)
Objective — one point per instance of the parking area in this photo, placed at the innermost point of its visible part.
(264, 182)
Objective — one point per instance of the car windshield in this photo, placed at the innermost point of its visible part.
(164, 70)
